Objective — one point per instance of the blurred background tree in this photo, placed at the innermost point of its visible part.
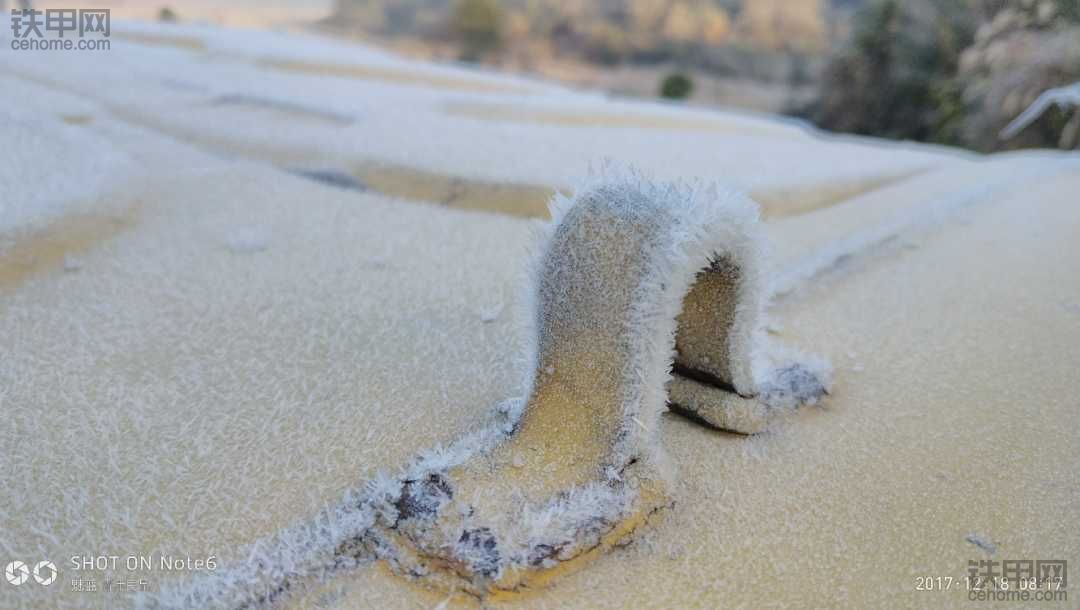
(676, 86)
(953, 72)
(1021, 48)
(478, 24)
(167, 15)
(894, 78)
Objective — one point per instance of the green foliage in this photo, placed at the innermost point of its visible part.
(900, 77)
(167, 15)
(478, 24)
(1069, 10)
(676, 86)
(895, 78)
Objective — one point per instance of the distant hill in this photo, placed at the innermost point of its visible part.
(618, 29)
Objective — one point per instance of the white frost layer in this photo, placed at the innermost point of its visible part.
(50, 168)
(398, 122)
(671, 233)
(919, 217)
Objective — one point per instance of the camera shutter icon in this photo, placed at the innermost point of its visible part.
(45, 573)
(16, 572)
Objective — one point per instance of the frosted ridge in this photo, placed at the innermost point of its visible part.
(621, 254)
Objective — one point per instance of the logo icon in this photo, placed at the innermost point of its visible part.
(44, 572)
(16, 572)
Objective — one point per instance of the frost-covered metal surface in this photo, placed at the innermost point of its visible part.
(398, 108)
(203, 353)
(573, 466)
